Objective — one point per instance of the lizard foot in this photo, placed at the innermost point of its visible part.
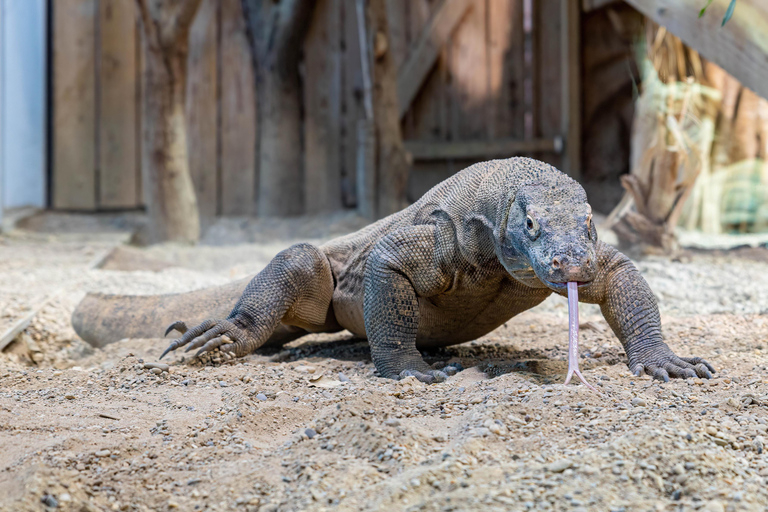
(209, 335)
(667, 365)
(432, 376)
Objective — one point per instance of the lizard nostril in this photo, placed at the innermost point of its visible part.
(556, 263)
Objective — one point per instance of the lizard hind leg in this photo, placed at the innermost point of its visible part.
(294, 289)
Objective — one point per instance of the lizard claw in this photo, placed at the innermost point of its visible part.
(178, 326)
(669, 365)
(208, 336)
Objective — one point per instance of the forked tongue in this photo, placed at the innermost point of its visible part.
(573, 335)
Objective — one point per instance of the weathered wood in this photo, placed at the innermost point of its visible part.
(168, 188)
(478, 149)
(322, 108)
(366, 136)
(351, 103)
(468, 63)
(74, 105)
(505, 68)
(392, 166)
(420, 62)
(740, 47)
(118, 74)
(238, 115)
(570, 55)
(202, 124)
(547, 85)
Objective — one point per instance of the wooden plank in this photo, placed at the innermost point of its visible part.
(424, 55)
(478, 149)
(570, 56)
(740, 47)
(351, 103)
(322, 103)
(118, 167)
(202, 124)
(506, 68)
(74, 105)
(469, 76)
(547, 85)
(238, 115)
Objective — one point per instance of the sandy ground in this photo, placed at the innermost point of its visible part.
(312, 427)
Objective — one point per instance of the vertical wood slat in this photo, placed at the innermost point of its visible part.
(118, 169)
(351, 106)
(469, 75)
(202, 124)
(570, 55)
(322, 103)
(238, 115)
(74, 105)
(547, 87)
(506, 68)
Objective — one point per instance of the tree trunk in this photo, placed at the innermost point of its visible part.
(168, 188)
(391, 162)
(276, 30)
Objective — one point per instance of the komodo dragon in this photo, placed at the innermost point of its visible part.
(486, 244)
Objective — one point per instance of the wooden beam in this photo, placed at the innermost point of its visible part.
(419, 63)
(570, 57)
(439, 150)
(740, 47)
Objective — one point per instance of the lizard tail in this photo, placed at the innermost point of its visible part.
(101, 319)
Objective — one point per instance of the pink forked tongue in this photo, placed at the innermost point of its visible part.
(573, 335)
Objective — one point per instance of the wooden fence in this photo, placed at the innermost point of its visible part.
(478, 79)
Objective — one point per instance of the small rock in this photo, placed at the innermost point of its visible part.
(711, 430)
(49, 501)
(714, 506)
(678, 469)
(560, 465)
(160, 366)
(223, 384)
(343, 378)
(262, 397)
(185, 382)
(638, 402)
(65, 498)
(392, 422)
(310, 432)
(103, 453)
(156, 371)
(69, 397)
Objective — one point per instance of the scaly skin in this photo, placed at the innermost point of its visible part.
(492, 241)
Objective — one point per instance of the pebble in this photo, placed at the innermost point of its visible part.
(156, 371)
(310, 432)
(103, 453)
(711, 430)
(69, 397)
(560, 465)
(638, 402)
(223, 384)
(49, 501)
(392, 422)
(185, 382)
(343, 378)
(157, 366)
(261, 396)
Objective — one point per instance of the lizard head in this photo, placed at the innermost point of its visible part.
(549, 229)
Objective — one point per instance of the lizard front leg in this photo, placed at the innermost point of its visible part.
(402, 267)
(629, 306)
(295, 288)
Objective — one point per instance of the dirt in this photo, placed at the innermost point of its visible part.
(311, 427)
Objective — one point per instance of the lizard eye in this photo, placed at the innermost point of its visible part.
(532, 226)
